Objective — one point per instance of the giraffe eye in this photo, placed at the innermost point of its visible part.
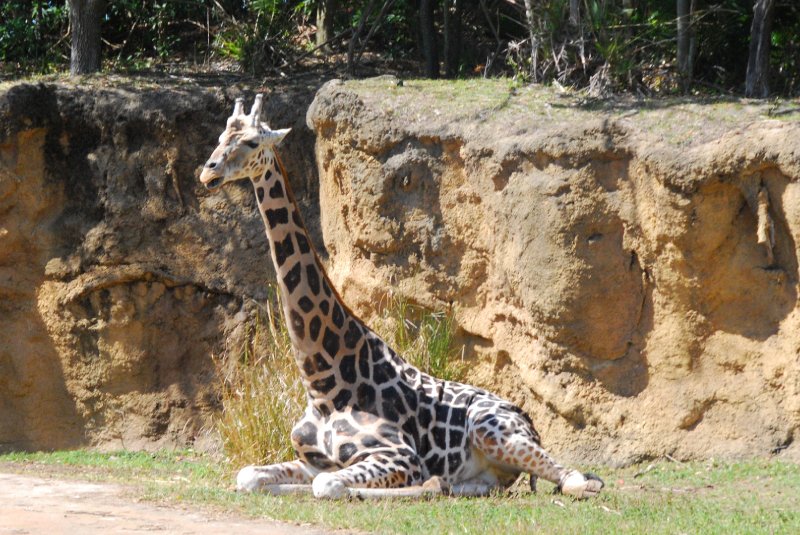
(251, 143)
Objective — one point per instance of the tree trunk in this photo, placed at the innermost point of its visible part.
(757, 81)
(447, 37)
(454, 58)
(325, 11)
(458, 25)
(85, 17)
(429, 52)
(452, 37)
(684, 41)
(692, 39)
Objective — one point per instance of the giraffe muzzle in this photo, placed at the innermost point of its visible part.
(210, 178)
(214, 183)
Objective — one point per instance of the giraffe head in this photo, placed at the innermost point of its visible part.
(245, 147)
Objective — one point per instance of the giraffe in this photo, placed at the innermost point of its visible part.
(373, 421)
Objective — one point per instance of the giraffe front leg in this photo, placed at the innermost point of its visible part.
(269, 478)
(382, 470)
(508, 441)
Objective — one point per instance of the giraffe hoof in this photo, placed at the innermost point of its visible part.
(581, 486)
(436, 485)
(247, 479)
(327, 485)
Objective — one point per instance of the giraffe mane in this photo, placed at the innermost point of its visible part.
(290, 195)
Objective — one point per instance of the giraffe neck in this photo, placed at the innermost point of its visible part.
(333, 346)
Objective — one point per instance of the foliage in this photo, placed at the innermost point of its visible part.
(263, 38)
(32, 35)
(786, 48)
(631, 45)
(755, 496)
(612, 45)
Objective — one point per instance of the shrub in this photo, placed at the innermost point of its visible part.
(33, 35)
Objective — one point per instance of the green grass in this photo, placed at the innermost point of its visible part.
(759, 496)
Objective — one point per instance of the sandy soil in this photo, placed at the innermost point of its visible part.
(37, 505)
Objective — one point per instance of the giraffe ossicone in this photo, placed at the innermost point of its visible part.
(374, 425)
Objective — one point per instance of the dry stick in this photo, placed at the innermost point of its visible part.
(375, 25)
(322, 45)
(222, 8)
(496, 37)
(556, 65)
(643, 472)
(405, 492)
(351, 46)
(431, 488)
(127, 38)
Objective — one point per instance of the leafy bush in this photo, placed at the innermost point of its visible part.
(32, 35)
(263, 39)
(138, 32)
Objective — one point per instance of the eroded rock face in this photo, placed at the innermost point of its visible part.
(120, 276)
(609, 269)
(628, 275)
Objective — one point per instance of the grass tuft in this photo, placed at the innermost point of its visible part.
(424, 338)
(262, 394)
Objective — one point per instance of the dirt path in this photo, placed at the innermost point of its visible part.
(33, 505)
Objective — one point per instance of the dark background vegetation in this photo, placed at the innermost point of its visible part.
(603, 45)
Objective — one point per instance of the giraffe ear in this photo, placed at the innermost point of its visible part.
(255, 112)
(277, 135)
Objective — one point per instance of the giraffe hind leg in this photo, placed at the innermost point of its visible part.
(509, 442)
(283, 478)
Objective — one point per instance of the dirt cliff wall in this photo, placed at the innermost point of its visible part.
(626, 271)
(120, 277)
